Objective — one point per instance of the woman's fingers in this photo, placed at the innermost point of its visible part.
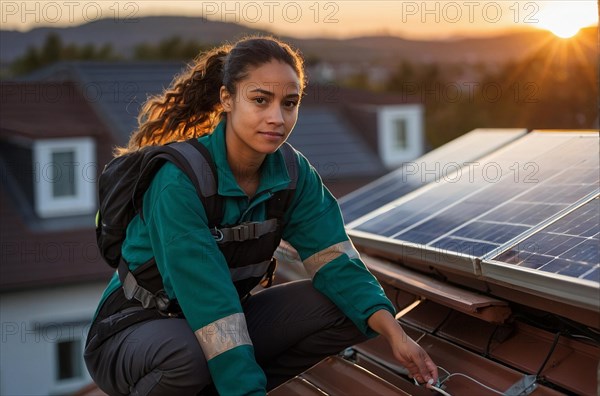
(418, 362)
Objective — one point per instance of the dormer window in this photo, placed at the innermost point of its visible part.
(400, 140)
(400, 130)
(64, 177)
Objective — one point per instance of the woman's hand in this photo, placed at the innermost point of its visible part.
(408, 352)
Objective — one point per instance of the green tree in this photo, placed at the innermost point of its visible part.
(173, 48)
(52, 49)
(27, 63)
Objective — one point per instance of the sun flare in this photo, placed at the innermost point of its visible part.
(566, 18)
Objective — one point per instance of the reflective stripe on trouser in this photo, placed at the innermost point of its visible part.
(318, 260)
(223, 334)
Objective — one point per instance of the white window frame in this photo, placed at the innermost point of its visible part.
(70, 332)
(84, 174)
(387, 116)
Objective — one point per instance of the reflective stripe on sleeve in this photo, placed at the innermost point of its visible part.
(318, 260)
(223, 334)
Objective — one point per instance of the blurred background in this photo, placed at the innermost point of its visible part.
(526, 64)
(388, 82)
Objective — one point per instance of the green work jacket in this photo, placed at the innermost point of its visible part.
(194, 271)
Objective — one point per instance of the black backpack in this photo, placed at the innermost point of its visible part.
(124, 180)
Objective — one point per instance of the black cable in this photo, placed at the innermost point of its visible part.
(556, 337)
(489, 342)
(442, 322)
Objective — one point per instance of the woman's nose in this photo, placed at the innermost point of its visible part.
(275, 115)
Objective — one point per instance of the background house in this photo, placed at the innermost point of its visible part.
(372, 133)
(51, 274)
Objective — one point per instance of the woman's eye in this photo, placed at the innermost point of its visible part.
(291, 104)
(260, 100)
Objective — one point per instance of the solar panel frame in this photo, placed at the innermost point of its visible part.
(413, 254)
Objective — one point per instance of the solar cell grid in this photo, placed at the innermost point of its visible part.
(475, 216)
(570, 246)
(424, 170)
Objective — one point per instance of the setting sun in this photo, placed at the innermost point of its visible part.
(565, 19)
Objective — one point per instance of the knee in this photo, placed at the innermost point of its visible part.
(186, 361)
(183, 371)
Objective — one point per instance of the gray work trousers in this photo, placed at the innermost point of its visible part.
(292, 327)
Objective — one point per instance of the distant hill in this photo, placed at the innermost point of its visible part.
(386, 49)
(124, 35)
(383, 50)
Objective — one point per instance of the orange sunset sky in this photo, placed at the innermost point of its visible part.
(430, 19)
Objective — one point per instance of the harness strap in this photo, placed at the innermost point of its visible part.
(195, 160)
(250, 271)
(245, 231)
(133, 290)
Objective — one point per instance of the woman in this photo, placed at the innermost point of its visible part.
(243, 102)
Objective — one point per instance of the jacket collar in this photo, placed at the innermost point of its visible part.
(274, 174)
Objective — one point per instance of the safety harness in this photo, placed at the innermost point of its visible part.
(248, 247)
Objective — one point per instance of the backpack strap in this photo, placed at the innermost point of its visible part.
(196, 162)
(277, 206)
(200, 167)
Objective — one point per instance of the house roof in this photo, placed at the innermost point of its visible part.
(101, 100)
(318, 130)
(34, 258)
(36, 251)
(46, 110)
(116, 90)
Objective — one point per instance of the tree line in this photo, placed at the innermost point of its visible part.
(54, 50)
(554, 87)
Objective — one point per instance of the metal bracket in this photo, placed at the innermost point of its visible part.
(522, 387)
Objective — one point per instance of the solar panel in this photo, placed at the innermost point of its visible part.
(482, 207)
(412, 175)
(560, 259)
(570, 246)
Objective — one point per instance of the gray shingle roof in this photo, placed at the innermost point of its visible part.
(118, 89)
(324, 137)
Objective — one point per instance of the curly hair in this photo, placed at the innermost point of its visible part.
(190, 106)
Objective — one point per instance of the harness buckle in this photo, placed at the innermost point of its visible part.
(244, 232)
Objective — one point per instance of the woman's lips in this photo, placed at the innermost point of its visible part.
(272, 135)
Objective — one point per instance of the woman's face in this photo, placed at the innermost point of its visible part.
(263, 111)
